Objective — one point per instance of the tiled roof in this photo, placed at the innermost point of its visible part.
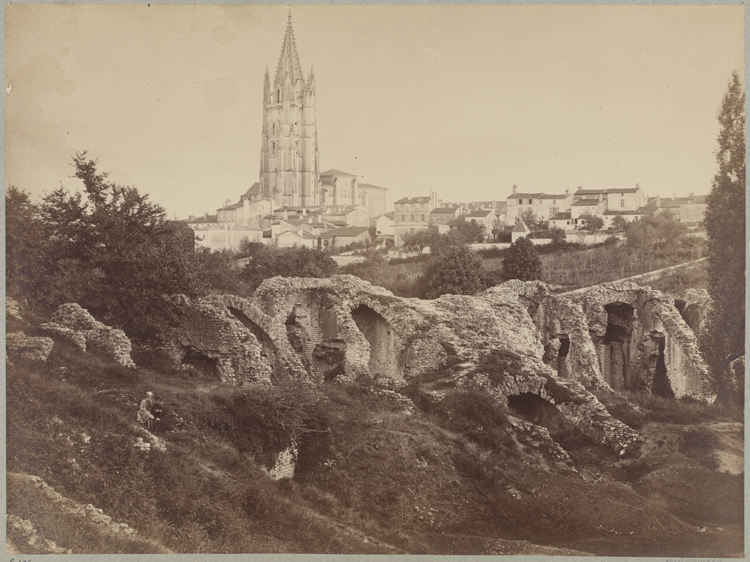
(390, 215)
(346, 231)
(562, 216)
(679, 201)
(335, 172)
(586, 203)
(232, 207)
(370, 186)
(444, 210)
(520, 226)
(201, 220)
(254, 190)
(582, 191)
(481, 213)
(525, 196)
(413, 200)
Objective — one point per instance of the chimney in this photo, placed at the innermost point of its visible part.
(567, 191)
(226, 203)
(205, 215)
(658, 201)
(304, 211)
(190, 217)
(637, 186)
(514, 189)
(285, 214)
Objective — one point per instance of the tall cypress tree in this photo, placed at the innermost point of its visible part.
(725, 226)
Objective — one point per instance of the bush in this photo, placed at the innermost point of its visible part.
(522, 261)
(455, 271)
(699, 443)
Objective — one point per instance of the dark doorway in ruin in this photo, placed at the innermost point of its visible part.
(299, 336)
(268, 348)
(556, 354)
(535, 409)
(661, 385)
(383, 361)
(328, 359)
(615, 356)
(200, 363)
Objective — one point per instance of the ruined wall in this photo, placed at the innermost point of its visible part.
(343, 328)
(642, 341)
(563, 331)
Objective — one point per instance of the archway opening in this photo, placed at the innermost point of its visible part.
(383, 362)
(535, 409)
(614, 353)
(268, 347)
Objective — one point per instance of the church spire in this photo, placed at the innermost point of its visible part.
(289, 65)
(266, 87)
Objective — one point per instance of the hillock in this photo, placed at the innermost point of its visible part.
(432, 467)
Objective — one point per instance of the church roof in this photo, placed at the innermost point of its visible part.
(334, 172)
(370, 186)
(582, 191)
(289, 59)
(254, 190)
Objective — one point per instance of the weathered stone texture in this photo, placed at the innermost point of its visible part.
(346, 329)
(75, 324)
(13, 309)
(698, 304)
(642, 341)
(21, 347)
(220, 340)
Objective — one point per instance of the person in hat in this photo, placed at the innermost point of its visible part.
(144, 412)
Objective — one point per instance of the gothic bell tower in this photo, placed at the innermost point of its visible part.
(289, 174)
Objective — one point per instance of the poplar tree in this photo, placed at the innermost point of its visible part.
(725, 228)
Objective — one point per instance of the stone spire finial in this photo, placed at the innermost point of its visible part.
(289, 65)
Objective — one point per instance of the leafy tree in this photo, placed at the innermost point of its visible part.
(287, 262)
(469, 232)
(655, 231)
(619, 223)
(457, 270)
(591, 223)
(522, 261)
(724, 221)
(419, 240)
(534, 222)
(27, 253)
(115, 253)
(557, 235)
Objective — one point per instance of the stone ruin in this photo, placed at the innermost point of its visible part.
(343, 328)
(643, 343)
(76, 325)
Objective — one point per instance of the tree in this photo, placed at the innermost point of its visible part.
(655, 231)
(619, 223)
(457, 270)
(591, 223)
(534, 223)
(522, 261)
(287, 262)
(28, 266)
(724, 221)
(420, 239)
(469, 231)
(115, 253)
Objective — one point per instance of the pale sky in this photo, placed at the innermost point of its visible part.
(465, 101)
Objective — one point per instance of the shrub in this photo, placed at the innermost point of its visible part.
(522, 261)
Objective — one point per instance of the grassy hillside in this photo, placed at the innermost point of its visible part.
(375, 473)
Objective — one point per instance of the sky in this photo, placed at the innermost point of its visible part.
(464, 101)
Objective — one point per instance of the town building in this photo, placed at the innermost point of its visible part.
(543, 205)
(289, 175)
(412, 214)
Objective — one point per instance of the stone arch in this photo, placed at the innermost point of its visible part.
(383, 353)
(268, 346)
(534, 408)
(615, 347)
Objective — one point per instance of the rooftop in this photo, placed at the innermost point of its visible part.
(345, 231)
(444, 210)
(586, 203)
(413, 200)
(562, 216)
(370, 186)
(582, 191)
(335, 172)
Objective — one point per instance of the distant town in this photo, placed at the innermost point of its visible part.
(293, 203)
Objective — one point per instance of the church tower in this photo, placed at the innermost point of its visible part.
(289, 174)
